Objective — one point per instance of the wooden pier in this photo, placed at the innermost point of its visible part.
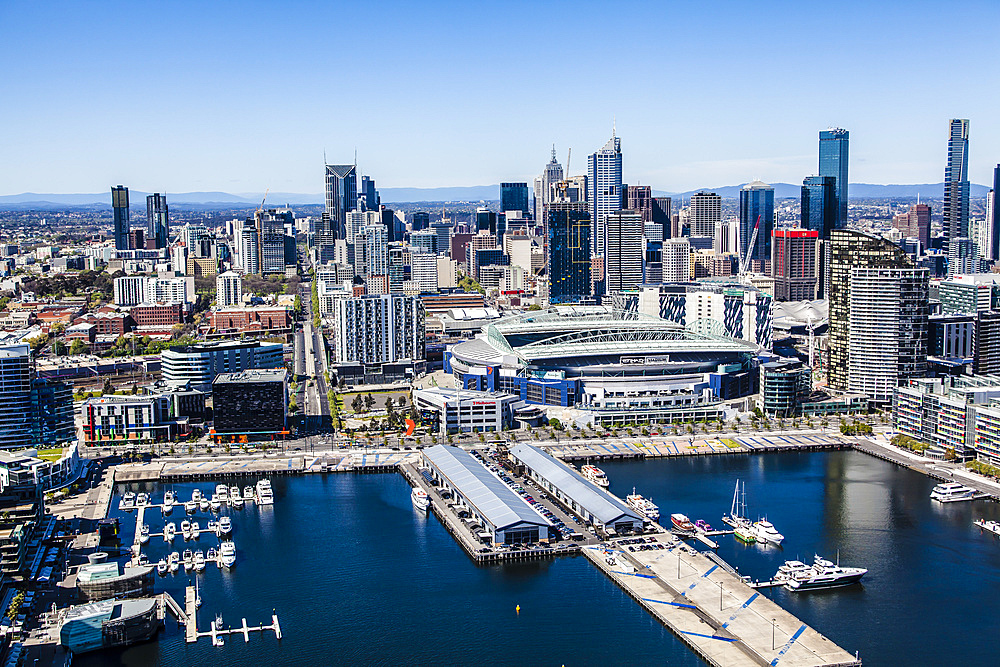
(192, 635)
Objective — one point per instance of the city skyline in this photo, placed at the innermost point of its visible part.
(236, 120)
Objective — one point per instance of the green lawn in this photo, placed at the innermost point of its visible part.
(379, 396)
(50, 454)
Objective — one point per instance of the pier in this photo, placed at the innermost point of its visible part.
(192, 635)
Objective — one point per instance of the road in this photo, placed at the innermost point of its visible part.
(310, 367)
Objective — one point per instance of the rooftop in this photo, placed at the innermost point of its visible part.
(252, 375)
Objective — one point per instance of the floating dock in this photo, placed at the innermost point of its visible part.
(714, 612)
(192, 635)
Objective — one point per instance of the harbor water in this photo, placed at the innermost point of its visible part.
(356, 576)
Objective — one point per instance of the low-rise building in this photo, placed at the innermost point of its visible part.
(453, 411)
(255, 319)
(253, 402)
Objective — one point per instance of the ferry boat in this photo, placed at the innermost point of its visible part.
(227, 554)
(643, 506)
(681, 522)
(952, 492)
(199, 561)
(264, 494)
(992, 526)
(186, 529)
(161, 567)
(225, 526)
(169, 531)
(420, 499)
(143, 534)
(595, 475)
(824, 574)
(174, 562)
(764, 532)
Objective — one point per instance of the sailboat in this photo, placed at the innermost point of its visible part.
(197, 593)
(742, 528)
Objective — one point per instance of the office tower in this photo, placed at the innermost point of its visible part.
(545, 183)
(15, 396)
(706, 212)
(818, 207)
(514, 197)
(249, 245)
(640, 198)
(137, 238)
(604, 188)
(568, 226)
(993, 216)
(388, 217)
(887, 330)
(756, 205)
(986, 354)
(157, 220)
(341, 196)
(368, 197)
(624, 251)
(486, 220)
(851, 250)
(915, 223)
(956, 182)
(228, 289)
(120, 212)
(424, 270)
(795, 264)
(833, 161)
(443, 229)
(420, 220)
(425, 240)
(270, 227)
(662, 215)
(963, 256)
(676, 260)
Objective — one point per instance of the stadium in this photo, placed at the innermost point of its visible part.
(625, 367)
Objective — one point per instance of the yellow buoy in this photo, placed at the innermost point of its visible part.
(518, 609)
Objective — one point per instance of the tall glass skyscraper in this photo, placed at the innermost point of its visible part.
(119, 206)
(568, 226)
(993, 219)
(756, 201)
(157, 219)
(514, 197)
(341, 197)
(819, 205)
(604, 186)
(956, 181)
(833, 159)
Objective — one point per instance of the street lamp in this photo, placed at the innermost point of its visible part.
(772, 633)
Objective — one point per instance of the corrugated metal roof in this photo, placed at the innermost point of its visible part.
(607, 508)
(493, 500)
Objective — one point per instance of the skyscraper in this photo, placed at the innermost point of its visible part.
(706, 212)
(569, 245)
(341, 196)
(662, 215)
(604, 185)
(956, 181)
(833, 161)
(368, 198)
(818, 207)
(486, 220)
(15, 395)
(915, 223)
(676, 260)
(420, 220)
(640, 198)
(514, 197)
(624, 251)
(795, 264)
(756, 203)
(120, 211)
(157, 220)
(993, 215)
(552, 174)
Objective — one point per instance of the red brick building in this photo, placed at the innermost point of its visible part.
(271, 319)
(158, 314)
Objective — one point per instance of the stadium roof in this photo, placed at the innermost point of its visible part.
(493, 500)
(607, 508)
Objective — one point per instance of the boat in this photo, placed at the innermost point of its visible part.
(595, 475)
(227, 553)
(420, 499)
(143, 534)
(142, 499)
(212, 554)
(128, 501)
(190, 506)
(173, 562)
(195, 530)
(643, 506)
(765, 532)
(992, 526)
(265, 496)
(186, 529)
(703, 526)
(215, 503)
(188, 559)
(743, 530)
(222, 493)
(790, 569)
(952, 492)
(235, 501)
(681, 522)
(197, 592)
(169, 500)
(225, 526)
(824, 574)
(204, 504)
(199, 561)
(169, 531)
(212, 527)
(161, 567)
(196, 495)
(234, 494)
(247, 492)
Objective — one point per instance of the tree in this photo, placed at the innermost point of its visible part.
(369, 402)
(108, 387)
(401, 401)
(77, 347)
(357, 404)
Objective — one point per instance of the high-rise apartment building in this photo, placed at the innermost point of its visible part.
(604, 188)
(249, 250)
(228, 289)
(157, 220)
(993, 217)
(568, 226)
(15, 396)
(640, 198)
(514, 197)
(915, 223)
(120, 213)
(756, 210)
(676, 260)
(379, 329)
(420, 220)
(624, 251)
(341, 196)
(963, 256)
(851, 250)
(956, 181)
(818, 206)
(545, 184)
(705, 213)
(833, 161)
(795, 264)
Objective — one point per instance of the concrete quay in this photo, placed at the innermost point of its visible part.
(713, 611)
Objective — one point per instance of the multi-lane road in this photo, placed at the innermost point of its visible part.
(310, 367)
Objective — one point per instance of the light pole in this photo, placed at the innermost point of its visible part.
(772, 633)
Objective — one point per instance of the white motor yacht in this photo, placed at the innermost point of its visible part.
(265, 496)
(161, 567)
(234, 494)
(204, 504)
(225, 526)
(212, 527)
(236, 502)
(186, 529)
(199, 561)
(227, 554)
(169, 531)
(420, 499)
(790, 569)
(764, 532)
(222, 493)
(195, 530)
(952, 492)
(824, 574)
(215, 503)
(247, 492)
(142, 499)
(168, 502)
(173, 562)
(188, 559)
(196, 495)
(191, 506)
(143, 534)
(128, 501)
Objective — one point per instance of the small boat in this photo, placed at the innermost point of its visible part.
(227, 554)
(742, 527)
(173, 562)
(215, 503)
(169, 531)
(236, 502)
(212, 527)
(212, 555)
(225, 526)
(199, 561)
(248, 492)
(168, 502)
(824, 574)
(595, 475)
(143, 534)
(161, 567)
(204, 504)
(190, 506)
(196, 495)
(222, 493)
(188, 559)
(234, 494)
(186, 529)
(127, 501)
(952, 492)
(643, 506)
(195, 530)
(992, 526)
(703, 526)
(141, 500)
(265, 496)
(420, 499)
(681, 522)
(197, 594)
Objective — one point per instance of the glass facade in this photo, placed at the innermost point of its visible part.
(569, 251)
(833, 159)
(756, 201)
(514, 197)
(956, 181)
(819, 205)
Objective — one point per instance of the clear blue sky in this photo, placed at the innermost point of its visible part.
(240, 96)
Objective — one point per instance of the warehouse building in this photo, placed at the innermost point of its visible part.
(505, 517)
(586, 500)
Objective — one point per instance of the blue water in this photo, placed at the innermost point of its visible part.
(357, 577)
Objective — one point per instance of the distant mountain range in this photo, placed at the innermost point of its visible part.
(31, 200)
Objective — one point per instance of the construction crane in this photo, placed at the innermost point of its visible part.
(745, 264)
(261, 207)
(569, 154)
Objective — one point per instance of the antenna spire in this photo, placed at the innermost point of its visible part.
(614, 127)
